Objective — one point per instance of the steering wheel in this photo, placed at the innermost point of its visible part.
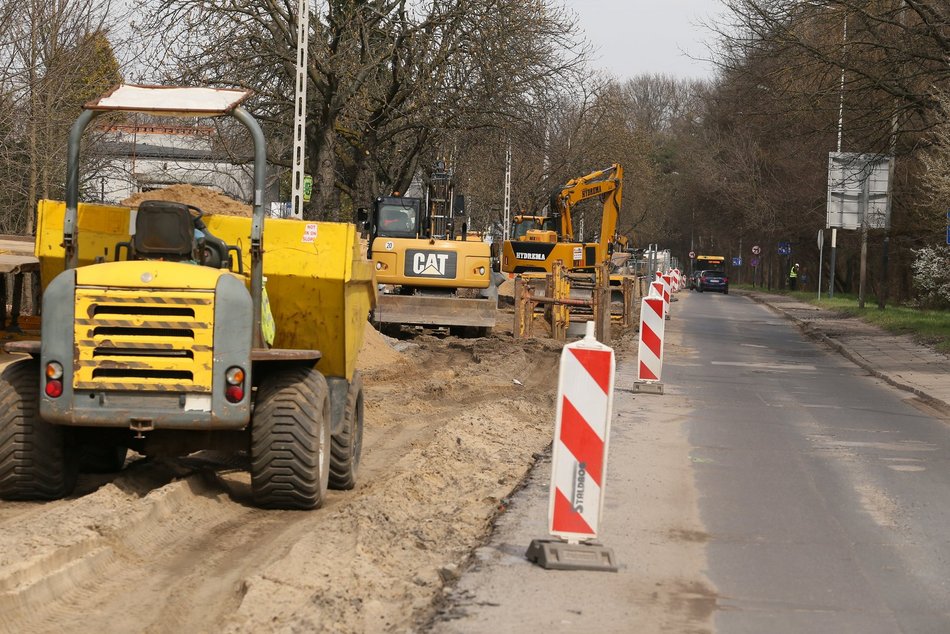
(196, 217)
(209, 251)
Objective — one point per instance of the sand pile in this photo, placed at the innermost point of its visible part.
(208, 200)
(376, 351)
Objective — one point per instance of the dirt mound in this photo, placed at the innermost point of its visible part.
(208, 200)
(451, 430)
(376, 351)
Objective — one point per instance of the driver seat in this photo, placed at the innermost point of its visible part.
(164, 230)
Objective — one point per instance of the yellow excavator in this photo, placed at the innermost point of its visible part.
(431, 270)
(536, 249)
(537, 226)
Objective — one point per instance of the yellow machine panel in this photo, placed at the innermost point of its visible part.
(120, 333)
(432, 263)
(320, 287)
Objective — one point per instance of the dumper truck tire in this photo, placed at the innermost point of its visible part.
(36, 460)
(290, 440)
(346, 448)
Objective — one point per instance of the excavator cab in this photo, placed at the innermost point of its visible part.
(395, 217)
(534, 228)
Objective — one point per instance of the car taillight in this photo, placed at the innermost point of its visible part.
(234, 378)
(54, 379)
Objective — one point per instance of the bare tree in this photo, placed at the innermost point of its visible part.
(937, 160)
(391, 79)
(55, 56)
(884, 57)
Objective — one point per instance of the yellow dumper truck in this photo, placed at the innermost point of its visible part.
(168, 331)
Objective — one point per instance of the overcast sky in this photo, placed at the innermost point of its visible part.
(648, 36)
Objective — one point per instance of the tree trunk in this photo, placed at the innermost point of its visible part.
(322, 207)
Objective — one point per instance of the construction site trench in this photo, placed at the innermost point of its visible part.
(453, 426)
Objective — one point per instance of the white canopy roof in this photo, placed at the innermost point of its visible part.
(170, 100)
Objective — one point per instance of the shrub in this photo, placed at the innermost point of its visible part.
(932, 276)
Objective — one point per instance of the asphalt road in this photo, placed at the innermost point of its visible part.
(825, 493)
(774, 487)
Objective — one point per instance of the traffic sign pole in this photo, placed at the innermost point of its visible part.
(831, 271)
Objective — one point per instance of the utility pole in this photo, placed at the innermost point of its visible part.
(834, 230)
(300, 109)
(506, 224)
(864, 237)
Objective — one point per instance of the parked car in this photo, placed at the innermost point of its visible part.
(694, 280)
(712, 280)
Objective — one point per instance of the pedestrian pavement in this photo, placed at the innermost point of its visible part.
(897, 359)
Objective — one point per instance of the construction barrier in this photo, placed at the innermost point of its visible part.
(582, 427)
(650, 351)
(660, 289)
(677, 280)
(564, 296)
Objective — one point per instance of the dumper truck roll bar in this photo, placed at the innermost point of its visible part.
(181, 102)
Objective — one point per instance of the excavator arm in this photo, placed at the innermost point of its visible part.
(605, 183)
(537, 250)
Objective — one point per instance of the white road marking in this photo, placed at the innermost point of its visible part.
(765, 366)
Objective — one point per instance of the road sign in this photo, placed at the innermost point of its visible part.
(821, 238)
(859, 190)
(737, 261)
(784, 248)
(692, 255)
(756, 250)
(754, 262)
(307, 187)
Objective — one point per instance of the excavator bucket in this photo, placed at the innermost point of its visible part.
(428, 310)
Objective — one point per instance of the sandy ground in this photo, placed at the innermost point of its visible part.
(453, 429)
(651, 522)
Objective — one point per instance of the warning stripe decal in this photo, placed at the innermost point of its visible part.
(650, 339)
(566, 519)
(139, 387)
(102, 349)
(646, 373)
(583, 443)
(155, 300)
(595, 365)
(130, 323)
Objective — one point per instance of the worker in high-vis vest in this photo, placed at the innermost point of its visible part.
(793, 277)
